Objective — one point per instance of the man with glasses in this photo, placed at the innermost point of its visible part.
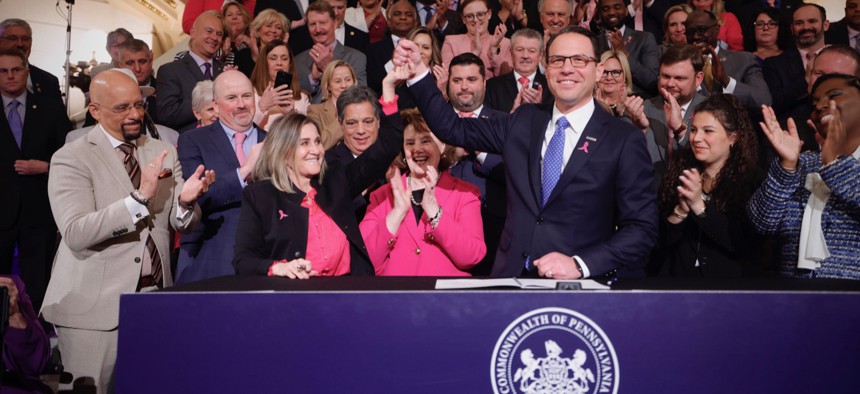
(17, 34)
(525, 84)
(113, 201)
(32, 128)
(641, 48)
(727, 71)
(580, 202)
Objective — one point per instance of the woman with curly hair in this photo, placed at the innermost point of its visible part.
(705, 231)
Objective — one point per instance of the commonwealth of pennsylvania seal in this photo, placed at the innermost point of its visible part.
(554, 350)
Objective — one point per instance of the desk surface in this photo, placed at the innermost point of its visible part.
(347, 283)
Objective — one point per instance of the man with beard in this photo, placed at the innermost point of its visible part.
(311, 63)
(228, 147)
(177, 79)
(33, 127)
(786, 74)
(113, 201)
(726, 71)
(525, 84)
(666, 118)
(466, 89)
(641, 48)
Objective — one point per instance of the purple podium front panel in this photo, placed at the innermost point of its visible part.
(486, 342)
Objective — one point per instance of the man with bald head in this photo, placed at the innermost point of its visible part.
(113, 193)
(177, 79)
(226, 147)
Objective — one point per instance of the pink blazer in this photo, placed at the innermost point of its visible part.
(461, 43)
(456, 244)
(731, 33)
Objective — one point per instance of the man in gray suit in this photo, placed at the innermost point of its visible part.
(641, 48)
(666, 118)
(310, 64)
(737, 73)
(113, 203)
(177, 79)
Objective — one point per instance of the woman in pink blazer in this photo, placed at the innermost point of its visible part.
(494, 49)
(425, 223)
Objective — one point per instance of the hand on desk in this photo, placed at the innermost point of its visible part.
(555, 265)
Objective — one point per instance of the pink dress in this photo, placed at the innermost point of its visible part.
(461, 43)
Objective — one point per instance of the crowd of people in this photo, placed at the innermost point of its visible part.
(596, 139)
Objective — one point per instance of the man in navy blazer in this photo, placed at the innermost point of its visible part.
(578, 180)
(526, 52)
(207, 251)
(177, 79)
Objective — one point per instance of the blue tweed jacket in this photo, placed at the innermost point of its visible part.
(777, 206)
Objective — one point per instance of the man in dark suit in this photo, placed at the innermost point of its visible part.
(786, 74)
(731, 72)
(466, 89)
(177, 79)
(441, 20)
(346, 34)
(641, 48)
(401, 19)
(226, 146)
(32, 128)
(578, 180)
(847, 30)
(17, 34)
(666, 118)
(524, 85)
(310, 64)
(356, 111)
(136, 56)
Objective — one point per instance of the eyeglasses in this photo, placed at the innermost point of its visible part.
(123, 109)
(23, 39)
(13, 70)
(478, 15)
(701, 30)
(577, 61)
(770, 24)
(613, 73)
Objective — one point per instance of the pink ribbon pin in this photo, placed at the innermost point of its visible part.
(283, 215)
(584, 147)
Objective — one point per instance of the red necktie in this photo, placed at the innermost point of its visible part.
(524, 82)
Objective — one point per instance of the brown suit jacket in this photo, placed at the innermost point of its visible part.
(101, 252)
(326, 114)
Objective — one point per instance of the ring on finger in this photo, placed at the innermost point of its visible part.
(300, 267)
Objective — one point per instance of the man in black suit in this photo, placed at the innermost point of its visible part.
(402, 18)
(786, 74)
(345, 34)
(17, 34)
(847, 30)
(436, 16)
(524, 85)
(32, 128)
(177, 79)
(578, 180)
(466, 89)
(136, 56)
(641, 48)
(356, 111)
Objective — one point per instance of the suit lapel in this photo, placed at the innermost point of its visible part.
(589, 143)
(222, 143)
(103, 150)
(6, 138)
(31, 120)
(193, 68)
(511, 85)
(538, 127)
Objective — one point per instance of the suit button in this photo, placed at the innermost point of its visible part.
(540, 220)
(525, 255)
(417, 251)
(137, 259)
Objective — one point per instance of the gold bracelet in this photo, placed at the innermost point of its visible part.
(678, 214)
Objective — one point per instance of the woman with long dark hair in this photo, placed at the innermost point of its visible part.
(705, 230)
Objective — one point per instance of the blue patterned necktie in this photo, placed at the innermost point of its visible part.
(15, 122)
(553, 159)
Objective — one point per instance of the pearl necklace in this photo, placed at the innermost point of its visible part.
(412, 195)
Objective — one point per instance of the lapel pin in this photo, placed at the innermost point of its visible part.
(584, 147)
(590, 138)
(34, 106)
(283, 215)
